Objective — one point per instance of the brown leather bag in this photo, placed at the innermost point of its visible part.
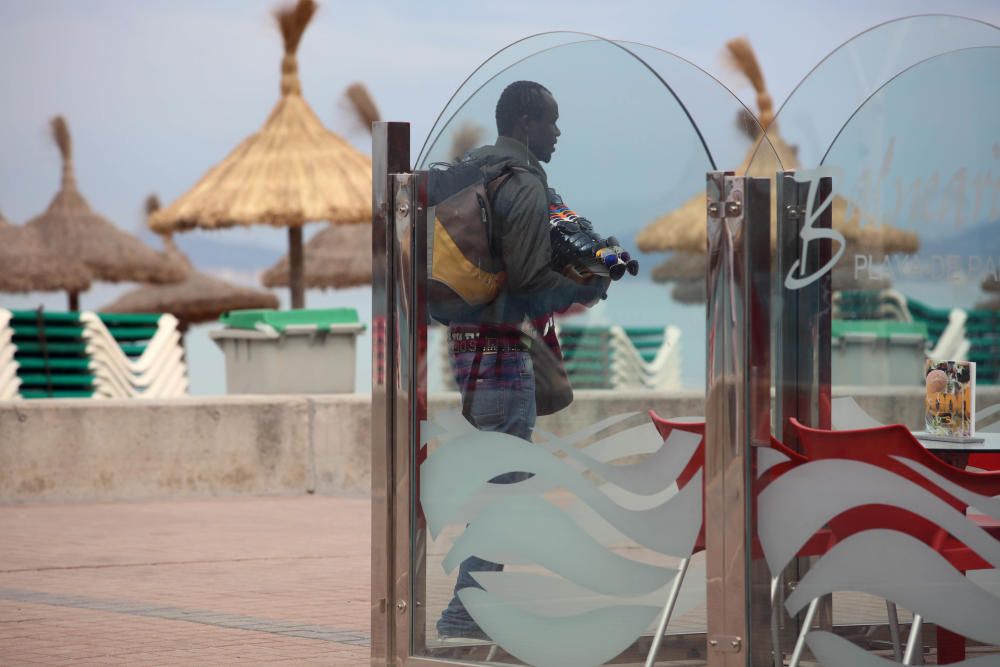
(553, 391)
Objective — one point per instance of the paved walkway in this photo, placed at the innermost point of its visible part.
(183, 582)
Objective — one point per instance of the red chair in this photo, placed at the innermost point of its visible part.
(985, 461)
(818, 544)
(665, 427)
(883, 447)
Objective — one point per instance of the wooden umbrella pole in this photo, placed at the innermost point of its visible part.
(296, 274)
(74, 301)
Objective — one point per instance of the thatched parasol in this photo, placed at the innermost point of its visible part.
(466, 137)
(362, 105)
(684, 229)
(199, 298)
(72, 232)
(991, 284)
(338, 256)
(681, 266)
(690, 291)
(293, 171)
(27, 266)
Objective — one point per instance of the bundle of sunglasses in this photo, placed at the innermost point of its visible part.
(579, 252)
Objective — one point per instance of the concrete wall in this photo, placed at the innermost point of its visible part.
(66, 450)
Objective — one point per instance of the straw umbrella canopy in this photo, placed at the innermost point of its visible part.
(293, 171)
(73, 232)
(684, 228)
(337, 256)
(198, 298)
(681, 266)
(991, 284)
(688, 271)
(690, 291)
(27, 266)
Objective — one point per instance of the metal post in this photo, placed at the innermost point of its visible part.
(802, 388)
(409, 336)
(803, 367)
(390, 154)
(737, 416)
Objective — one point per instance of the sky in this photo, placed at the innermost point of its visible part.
(157, 92)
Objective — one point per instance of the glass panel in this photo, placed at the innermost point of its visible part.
(594, 510)
(888, 515)
(818, 107)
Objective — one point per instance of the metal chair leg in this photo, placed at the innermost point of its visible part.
(800, 643)
(914, 643)
(897, 649)
(668, 609)
(776, 622)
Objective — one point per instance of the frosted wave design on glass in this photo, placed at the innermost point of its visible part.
(667, 460)
(491, 493)
(531, 530)
(552, 596)
(615, 447)
(631, 501)
(453, 474)
(986, 504)
(847, 415)
(767, 458)
(584, 640)
(591, 602)
(591, 430)
(903, 569)
(446, 424)
(823, 489)
(834, 651)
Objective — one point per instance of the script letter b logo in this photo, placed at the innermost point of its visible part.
(797, 277)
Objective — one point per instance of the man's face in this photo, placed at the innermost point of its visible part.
(542, 131)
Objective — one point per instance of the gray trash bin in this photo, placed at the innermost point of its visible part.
(289, 352)
(878, 352)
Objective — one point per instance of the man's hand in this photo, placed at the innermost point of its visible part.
(597, 289)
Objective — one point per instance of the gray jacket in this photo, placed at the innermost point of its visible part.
(521, 226)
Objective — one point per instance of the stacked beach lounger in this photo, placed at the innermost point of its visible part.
(67, 355)
(612, 357)
(9, 381)
(621, 357)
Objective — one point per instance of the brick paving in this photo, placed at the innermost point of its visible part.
(279, 581)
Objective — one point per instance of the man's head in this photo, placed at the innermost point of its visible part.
(526, 111)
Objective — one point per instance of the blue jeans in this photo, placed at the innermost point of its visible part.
(503, 400)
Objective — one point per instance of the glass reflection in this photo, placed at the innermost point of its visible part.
(555, 540)
(914, 163)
